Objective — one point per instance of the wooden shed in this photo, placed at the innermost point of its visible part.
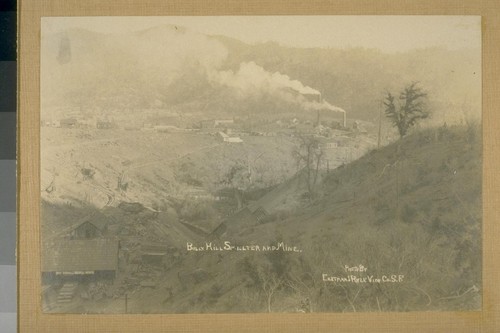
(94, 258)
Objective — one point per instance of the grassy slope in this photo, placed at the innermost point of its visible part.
(431, 235)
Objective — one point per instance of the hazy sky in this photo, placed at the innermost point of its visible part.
(387, 33)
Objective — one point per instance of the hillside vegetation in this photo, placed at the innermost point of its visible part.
(410, 211)
(412, 208)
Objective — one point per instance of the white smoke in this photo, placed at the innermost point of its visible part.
(165, 51)
(252, 78)
(324, 105)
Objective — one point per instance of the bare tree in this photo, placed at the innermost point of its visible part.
(410, 108)
(270, 284)
(238, 178)
(309, 156)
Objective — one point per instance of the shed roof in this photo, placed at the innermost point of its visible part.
(100, 221)
(81, 255)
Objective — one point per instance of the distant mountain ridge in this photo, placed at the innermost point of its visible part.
(170, 65)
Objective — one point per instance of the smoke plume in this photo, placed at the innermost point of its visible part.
(251, 79)
(324, 105)
(152, 62)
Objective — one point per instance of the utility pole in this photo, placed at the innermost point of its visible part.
(397, 189)
(379, 127)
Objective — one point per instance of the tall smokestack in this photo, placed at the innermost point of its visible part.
(345, 125)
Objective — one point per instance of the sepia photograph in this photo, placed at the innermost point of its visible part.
(260, 164)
